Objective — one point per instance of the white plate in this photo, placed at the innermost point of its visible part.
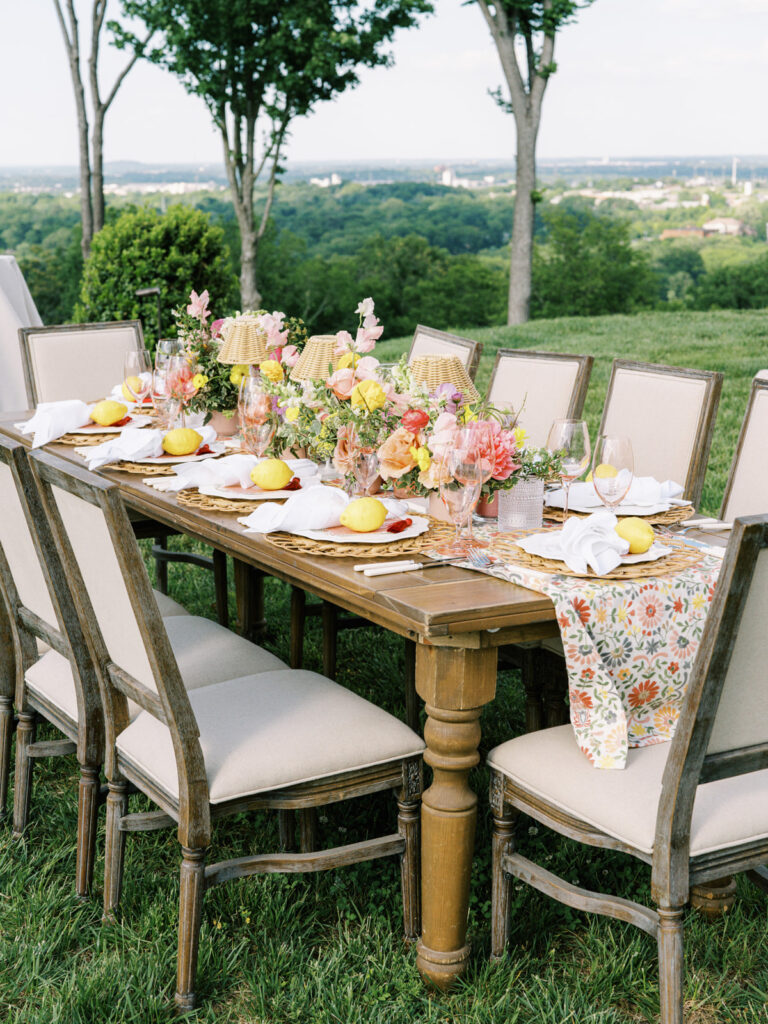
(216, 449)
(253, 493)
(654, 552)
(136, 421)
(343, 535)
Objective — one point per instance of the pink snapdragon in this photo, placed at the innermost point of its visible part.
(198, 305)
(289, 355)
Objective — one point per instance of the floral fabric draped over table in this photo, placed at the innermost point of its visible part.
(629, 650)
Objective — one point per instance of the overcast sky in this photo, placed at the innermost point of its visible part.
(635, 77)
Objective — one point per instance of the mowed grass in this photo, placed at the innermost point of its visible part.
(327, 949)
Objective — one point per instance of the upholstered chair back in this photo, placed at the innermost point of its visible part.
(539, 387)
(429, 342)
(668, 414)
(82, 361)
(746, 492)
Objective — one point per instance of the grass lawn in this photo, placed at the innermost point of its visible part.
(326, 949)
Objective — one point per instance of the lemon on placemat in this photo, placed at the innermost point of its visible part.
(181, 441)
(128, 383)
(364, 515)
(637, 532)
(108, 412)
(271, 474)
(603, 471)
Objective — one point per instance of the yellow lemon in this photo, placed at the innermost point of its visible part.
(271, 474)
(108, 412)
(131, 382)
(364, 515)
(603, 472)
(181, 441)
(637, 532)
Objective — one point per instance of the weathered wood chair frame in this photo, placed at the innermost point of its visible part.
(193, 812)
(757, 392)
(689, 764)
(85, 737)
(466, 349)
(143, 527)
(578, 393)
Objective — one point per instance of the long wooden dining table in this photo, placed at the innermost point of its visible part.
(457, 620)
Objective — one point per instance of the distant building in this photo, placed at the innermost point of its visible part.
(682, 233)
(726, 226)
(334, 179)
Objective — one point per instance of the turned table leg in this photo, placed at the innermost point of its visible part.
(455, 684)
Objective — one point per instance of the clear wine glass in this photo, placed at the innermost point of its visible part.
(165, 349)
(460, 492)
(570, 440)
(477, 439)
(613, 469)
(180, 385)
(137, 374)
(258, 422)
(366, 470)
(165, 405)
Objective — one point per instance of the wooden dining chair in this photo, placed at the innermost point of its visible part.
(85, 361)
(746, 492)
(694, 809)
(427, 342)
(539, 387)
(286, 739)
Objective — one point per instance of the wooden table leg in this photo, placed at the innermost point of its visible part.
(455, 683)
(249, 592)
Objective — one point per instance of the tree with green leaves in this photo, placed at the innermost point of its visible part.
(258, 65)
(533, 24)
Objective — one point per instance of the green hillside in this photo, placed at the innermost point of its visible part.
(731, 341)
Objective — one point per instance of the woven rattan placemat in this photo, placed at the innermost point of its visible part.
(212, 503)
(85, 440)
(169, 469)
(683, 556)
(677, 514)
(438, 533)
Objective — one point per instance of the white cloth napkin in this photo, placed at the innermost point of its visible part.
(591, 541)
(136, 443)
(316, 508)
(233, 470)
(644, 490)
(54, 419)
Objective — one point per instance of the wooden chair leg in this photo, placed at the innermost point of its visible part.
(220, 584)
(409, 827)
(329, 618)
(308, 829)
(411, 699)
(298, 617)
(114, 847)
(22, 789)
(6, 736)
(532, 675)
(671, 964)
(502, 843)
(190, 916)
(285, 823)
(87, 820)
(161, 565)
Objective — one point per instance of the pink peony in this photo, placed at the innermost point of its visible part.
(504, 452)
(443, 435)
(415, 419)
(395, 456)
(341, 382)
(216, 327)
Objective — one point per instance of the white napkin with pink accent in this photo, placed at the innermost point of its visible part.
(591, 541)
(316, 508)
(54, 419)
(233, 470)
(135, 443)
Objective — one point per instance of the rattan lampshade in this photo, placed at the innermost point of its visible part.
(434, 370)
(313, 362)
(244, 342)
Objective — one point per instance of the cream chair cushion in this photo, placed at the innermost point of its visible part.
(542, 388)
(265, 732)
(84, 364)
(167, 606)
(748, 495)
(427, 345)
(624, 803)
(50, 678)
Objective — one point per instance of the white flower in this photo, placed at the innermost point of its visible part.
(365, 308)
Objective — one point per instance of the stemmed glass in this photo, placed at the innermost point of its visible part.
(459, 491)
(477, 440)
(137, 374)
(613, 469)
(166, 406)
(165, 349)
(570, 440)
(258, 422)
(366, 470)
(180, 386)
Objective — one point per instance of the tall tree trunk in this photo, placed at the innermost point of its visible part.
(97, 162)
(250, 296)
(521, 245)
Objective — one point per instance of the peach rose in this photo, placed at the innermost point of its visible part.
(395, 457)
(341, 382)
(347, 449)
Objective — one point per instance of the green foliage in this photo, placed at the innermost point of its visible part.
(740, 286)
(175, 251)
(587, 267)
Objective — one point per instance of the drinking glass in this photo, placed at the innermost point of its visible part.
(366, 470)
(180, 386)
(166, 406)
(258, 421)
(570, 440)
(613, 469)
(477, 439)
(137, 374)
(165, 349)
(459, 492)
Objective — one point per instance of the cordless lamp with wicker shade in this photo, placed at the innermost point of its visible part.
(319, 353)
(434, 370)
(245, 343)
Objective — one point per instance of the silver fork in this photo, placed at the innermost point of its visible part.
(478, 558)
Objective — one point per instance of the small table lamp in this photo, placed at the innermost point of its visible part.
(319, 353)
(434, 370)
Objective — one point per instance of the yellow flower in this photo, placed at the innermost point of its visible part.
(237, 373)
(520, 435)
(422, 458)
(468, 414)
(199, 381)
(369, 394)
(291, 414)
(348, 360)
(272, 370)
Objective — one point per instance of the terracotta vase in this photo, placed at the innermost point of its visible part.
(436, 508)
(225, 426)
(403, 492)
(488, 508)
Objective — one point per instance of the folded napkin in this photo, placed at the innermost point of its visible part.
(644, 490)
(591, 541)
(54, 419)
(316, 508)
(233, 470)
(135, 443)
